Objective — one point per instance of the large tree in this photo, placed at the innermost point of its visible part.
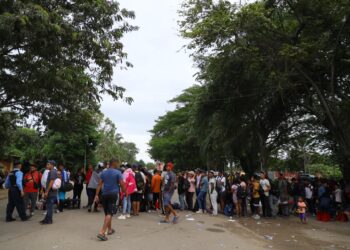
(57, 56)
(269, 64)
(173, 138)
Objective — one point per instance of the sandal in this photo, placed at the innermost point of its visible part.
(111, 232)
(102, 237)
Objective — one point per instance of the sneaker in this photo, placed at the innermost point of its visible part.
(128, 216)
(256, 217)
(32, 214)
(44, 213)
(122, 217)
(199, 212)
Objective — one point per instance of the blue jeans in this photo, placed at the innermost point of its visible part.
(126, 205)
(202, 200)
(50, 201)
(182, 201)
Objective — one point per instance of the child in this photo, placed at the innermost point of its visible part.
(302, 210)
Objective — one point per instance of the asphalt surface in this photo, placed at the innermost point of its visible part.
(77, 229)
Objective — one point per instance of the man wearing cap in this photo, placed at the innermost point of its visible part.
(168, 191)
(50, 194)
(32, 181)
(15, 194)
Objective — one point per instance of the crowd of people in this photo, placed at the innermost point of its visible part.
(131, 189)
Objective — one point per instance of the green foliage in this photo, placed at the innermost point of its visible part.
(273, 72)
(58, 56)
(111, 144)
(328, 171)
(172, 137)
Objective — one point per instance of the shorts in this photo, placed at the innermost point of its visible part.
(256, 202)
(109, 203)
(302, 216)
(136, 197)
(167, 198)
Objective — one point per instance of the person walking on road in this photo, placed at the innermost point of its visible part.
(111, 182)
(14, 185)
(168, 191)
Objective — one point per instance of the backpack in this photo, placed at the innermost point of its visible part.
(228, 210)
(218, 186)
(241, 193)
(186, 185)
(140, 184)
(66, 186)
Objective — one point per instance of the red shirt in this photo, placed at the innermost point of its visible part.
(88, 176)
(29, 179)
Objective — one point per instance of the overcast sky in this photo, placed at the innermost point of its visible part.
(161, 70)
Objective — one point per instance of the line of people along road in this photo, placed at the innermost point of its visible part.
(131, 189)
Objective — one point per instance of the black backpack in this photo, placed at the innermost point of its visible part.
(218, 186)
(186, 185)
(140, 184)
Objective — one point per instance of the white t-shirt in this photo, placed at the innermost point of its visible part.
(308, 193)
(212, 181)
(222, 180)
(338, 195)
(44, 178)
(265, 185)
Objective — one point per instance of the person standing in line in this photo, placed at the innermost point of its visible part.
(87, 180)
(202, 196)
(283, 194)
(130, 185)
(163, 174)
(190, 192)
(111, 182)
(32, 181)
(14, 185)
(309, 190)
(79, 180)
(213, 193)
(156, 187)
(256, 197)
(198, 179)
(169, 188)
(63, 176)
(266, 186)
(50, 194)
(137, 196)
(92, 186)
(181, 189)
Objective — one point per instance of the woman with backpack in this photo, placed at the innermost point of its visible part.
(137, 196)
(130, 185)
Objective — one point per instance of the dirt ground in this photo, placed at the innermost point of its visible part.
(77, 229)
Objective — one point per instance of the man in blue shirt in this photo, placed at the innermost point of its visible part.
(14, 183)
(111, 181)
(202, 196)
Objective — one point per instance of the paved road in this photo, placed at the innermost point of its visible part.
(77, 229)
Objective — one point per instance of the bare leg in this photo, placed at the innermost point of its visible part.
(106, 224)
